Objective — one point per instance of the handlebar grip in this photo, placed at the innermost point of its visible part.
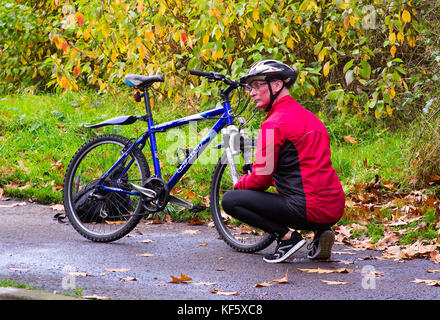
(200, 73)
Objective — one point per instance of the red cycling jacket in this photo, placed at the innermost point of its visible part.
(293, 153)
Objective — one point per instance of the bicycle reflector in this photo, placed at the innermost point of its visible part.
(137, 96)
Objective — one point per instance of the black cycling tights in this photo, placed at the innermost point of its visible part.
(267, 211)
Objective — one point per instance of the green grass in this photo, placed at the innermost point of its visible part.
(5, 283)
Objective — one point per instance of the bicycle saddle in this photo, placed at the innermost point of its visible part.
(138, 81)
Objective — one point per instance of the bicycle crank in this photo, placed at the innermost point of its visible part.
(155, 194)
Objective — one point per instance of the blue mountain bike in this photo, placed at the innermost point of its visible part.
(108, 187)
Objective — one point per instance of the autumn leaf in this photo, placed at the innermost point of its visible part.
(429, 282)
(350, 139)
(144, 255)
(117, 270)
(128, 279)
(332, 283)
(393, 51)
(272, 282)
(80, 18)
(406, 16)
(182, 279)
(233, 293)
(324, 271)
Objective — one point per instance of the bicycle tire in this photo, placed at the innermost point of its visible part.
(236, 234)
(114, 216)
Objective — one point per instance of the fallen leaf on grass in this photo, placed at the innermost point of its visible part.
(433, 271)
(322, 271)
(182, 278)
(272, 282)
(332, 283)
(429, 282)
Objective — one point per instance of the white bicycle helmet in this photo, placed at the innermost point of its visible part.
(270, 70)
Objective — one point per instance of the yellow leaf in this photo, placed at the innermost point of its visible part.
(255, 15)
(389, 110)
(392, 93)
(86, 34)
(392, 37)
(64, 83)
(393, 50)
(289, 43)
(377, 113)
(406, 16)
(400, 37)
(411, 41)
(218, 34)
(148, 35)
(326, 68)
(205, 39)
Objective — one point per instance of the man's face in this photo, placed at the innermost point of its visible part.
(259, 92)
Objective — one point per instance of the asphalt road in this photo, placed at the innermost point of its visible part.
(39, 251)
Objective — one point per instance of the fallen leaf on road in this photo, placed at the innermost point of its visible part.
(182, 278)
(429, 282)
(234, 293)
(147, 241)
(57, 207)
(79, 274)
(189, 231)
(203, 244)
(202, 283)
(322, 271)
(17, 204)
(117, 270)
(272, 282)
(433, 271)
(128, 279)
(144, 255)
(332, 283)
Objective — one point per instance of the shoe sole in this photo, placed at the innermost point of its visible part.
(325, 245)
(288, 253)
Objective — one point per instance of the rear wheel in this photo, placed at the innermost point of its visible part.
(235, 233)
(96, 214)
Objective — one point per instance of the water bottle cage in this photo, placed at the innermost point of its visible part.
(182, 154)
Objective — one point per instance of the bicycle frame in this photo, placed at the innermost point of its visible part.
(224, 116)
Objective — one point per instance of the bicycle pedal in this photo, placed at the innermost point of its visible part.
(198, 207)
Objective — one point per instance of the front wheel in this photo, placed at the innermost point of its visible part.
(97, 214)
(237, 234)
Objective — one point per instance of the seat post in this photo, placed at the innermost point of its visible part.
(147, 104)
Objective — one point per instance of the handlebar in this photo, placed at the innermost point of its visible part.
(215, 76)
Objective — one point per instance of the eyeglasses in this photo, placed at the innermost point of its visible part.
(254, 85)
